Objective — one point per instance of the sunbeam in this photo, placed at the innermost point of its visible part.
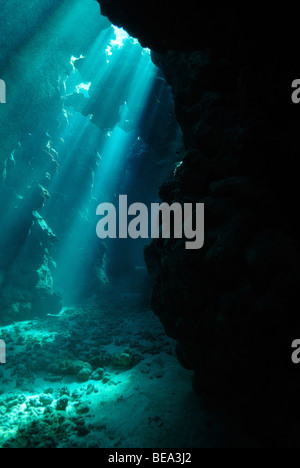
(113, 148)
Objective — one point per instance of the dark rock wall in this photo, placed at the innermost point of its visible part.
(232, 306)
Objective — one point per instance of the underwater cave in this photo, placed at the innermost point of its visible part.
(126, 341)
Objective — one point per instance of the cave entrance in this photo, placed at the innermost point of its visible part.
(88, 117)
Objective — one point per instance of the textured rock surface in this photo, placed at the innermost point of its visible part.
(31, 147)
(232, 307)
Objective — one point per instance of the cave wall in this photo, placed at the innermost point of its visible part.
(35, 63)
(232, 307)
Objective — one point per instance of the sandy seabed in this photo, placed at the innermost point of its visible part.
(102, 376)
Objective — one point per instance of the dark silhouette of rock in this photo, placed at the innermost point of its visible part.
(232, 307)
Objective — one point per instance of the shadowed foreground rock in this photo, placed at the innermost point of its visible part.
(232, 307)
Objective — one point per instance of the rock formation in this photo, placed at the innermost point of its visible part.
(232, 307)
